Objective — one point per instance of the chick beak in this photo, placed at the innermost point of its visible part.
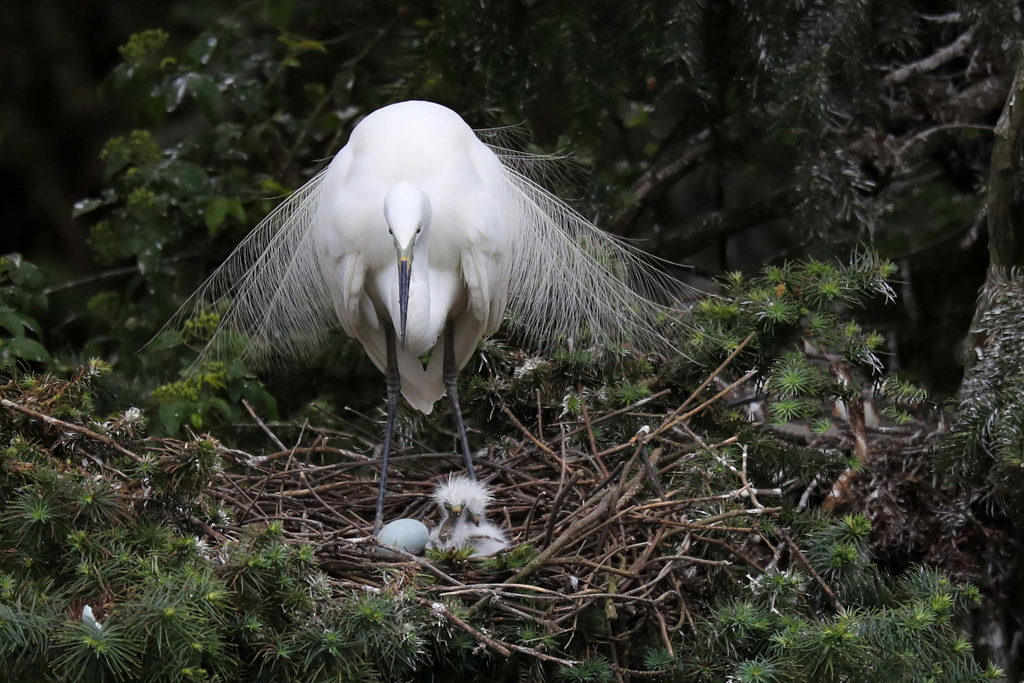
(448, 525)
(475, 518)
(404, 279)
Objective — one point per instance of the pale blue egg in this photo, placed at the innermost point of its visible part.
(411, 535)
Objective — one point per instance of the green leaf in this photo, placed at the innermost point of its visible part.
(227, 411)
(86, 205)
(29, 349)
(255, 393)
(188, 177)
(11, 322)
(207, 95)
(314, 45)
(201, 49)
(171, 415)
(165, 340)
(219, 208)
(30, 323)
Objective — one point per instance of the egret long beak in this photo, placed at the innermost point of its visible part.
(404, 278)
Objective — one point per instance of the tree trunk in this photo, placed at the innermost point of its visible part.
(995, 346)
(992, 355)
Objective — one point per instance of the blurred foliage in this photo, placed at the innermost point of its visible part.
(21, 293)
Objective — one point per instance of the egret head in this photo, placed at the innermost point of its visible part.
(407, 211)
(461, 502)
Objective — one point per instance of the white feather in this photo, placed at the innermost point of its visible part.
(461, 490)
(483, 536)
(500, 246)
(487, 538)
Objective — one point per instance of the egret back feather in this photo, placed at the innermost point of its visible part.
(568, 281)
(270, 293)
(571, 282)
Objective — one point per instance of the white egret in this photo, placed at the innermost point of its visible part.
(463, 506)
(417, 238)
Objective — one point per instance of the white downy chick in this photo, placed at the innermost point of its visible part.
(463, 522)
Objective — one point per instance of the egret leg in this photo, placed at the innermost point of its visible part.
(394, 388)
(451, 383)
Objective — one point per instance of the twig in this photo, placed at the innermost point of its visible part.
(526, 432)
(956, 49)
(590, 429)
(54, 422)
(264, 427)
(263, 483)
(795, 549)
(557, 505)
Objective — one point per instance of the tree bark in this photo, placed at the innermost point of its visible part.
(1005, 222)
(995, 343)
(993, 330)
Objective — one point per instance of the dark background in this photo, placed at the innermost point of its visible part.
(56, 114)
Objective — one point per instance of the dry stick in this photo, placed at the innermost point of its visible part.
(54, 422)
(652, 475)
(499, 646)
(590, 430)
(607, 501)
(556, 506)
(712, 376)
(567, 537)
(694, 560)
(439, 608)
(795, 549)
(263, 483)
(418, 560)
(540, 418)
(527, 433)
(589, 563)
(327, 505)
(594, 497)
(957, 48)
(618, 491)
(264, 427)
(308, 451)
(208, 530)
(620, 411)
(743, 556)
(561, 474)
(664, 633)
(674, 421)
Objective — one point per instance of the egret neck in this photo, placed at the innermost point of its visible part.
(407, 211)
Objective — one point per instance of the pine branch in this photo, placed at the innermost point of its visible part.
(947, 54)
(654, 182)
(54, 422)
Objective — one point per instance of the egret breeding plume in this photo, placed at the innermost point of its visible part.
(421, 238)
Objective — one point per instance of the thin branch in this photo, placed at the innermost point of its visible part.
(54, 422)
(947, 54)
